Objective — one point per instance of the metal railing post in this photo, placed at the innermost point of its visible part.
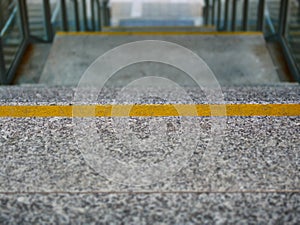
(219, 14)
(106, 13)
(213, 12)
(93, 15)
(245, 15)
(226, 15)
(281, 34)
(206, 12)
(47, 18)
(260, 15)
(76, 15)
(2, 64)
(233, 15)
(283, 17)
(99, 15)
(64, 16)
(24, 19)
(84, 15)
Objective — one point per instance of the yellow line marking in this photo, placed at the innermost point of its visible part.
(160, 27)
(294, 33)
(202, 110)
(153, 33)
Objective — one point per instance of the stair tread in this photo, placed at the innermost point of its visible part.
(204, 44)
(42, 94)
(170, 208)
(43, 145)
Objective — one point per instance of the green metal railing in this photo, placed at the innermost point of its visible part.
(228, 15)
(225, 18)
(225, 14)
(54, 17)
(18, 24)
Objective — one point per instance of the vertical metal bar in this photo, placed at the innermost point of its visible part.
(206, 12)
(106, 13)
(16, 62)
(282, 30)
(99, 15)
(76, 15)
(283, 17)
(219, 14)
(298, 13)
(260, 15)
(226, 15)
(24, 19)
(93, 15)
(64, 16)
(7, 75)
(85, 20)
(233, 22)
(289, 59)
(2, 65)
(245, 15)
(213, 12)
(47, 18)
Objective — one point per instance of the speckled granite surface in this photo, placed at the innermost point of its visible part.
(38, 95)
(213, 208)
(254, 153)
(252, 176)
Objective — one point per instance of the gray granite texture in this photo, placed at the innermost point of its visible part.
(234, 59)
(245, 153)
(247, 172)
(43, 95)
(168, 208)
(50, 154)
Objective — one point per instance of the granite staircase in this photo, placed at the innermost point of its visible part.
(67, 157)
(245, 170)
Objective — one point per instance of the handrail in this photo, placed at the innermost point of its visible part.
(269, 21)
(3, 69)
(7, 74)
(55, 12)
(281, 33)
(9, 21)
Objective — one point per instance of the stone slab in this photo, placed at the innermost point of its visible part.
(234, 59)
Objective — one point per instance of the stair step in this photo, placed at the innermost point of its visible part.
(8, 60)
(161, 28)
(36, 27)
(14, 36)
(262, 147)
(10, 50)
(7, 65)
(37, 94)
(13, 41)
(39, 21)
(295, 49)
(34, 8)
(37, 30)
(294, 27)
(226, 48)
(297, 57)
(294, 34)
